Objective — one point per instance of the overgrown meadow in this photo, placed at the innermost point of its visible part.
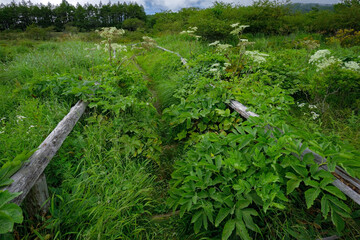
(159, 154)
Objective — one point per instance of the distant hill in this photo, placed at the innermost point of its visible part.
(307, 7)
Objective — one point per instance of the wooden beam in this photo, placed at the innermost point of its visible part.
(37, 200)
(348, 185)
(183, 60)
(29, 173)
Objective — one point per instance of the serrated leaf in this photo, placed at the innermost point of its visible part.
(241, 230)
(228, 229)
(337, 220)
(308, 158)
(325, 207)
(223, 213)
(247, 216)
(339, 203)
(291, 185)
(196, 216)
(335, 191)
(310, 196)
(197, 225)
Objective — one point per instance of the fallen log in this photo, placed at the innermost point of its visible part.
(183, 60)
(29, 173)
(350, 186)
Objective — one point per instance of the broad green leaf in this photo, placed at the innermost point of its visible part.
(197, 225)
(223, 213)
(325, 207)
(6, 196)
(291, 185)
(339, 203)
(312, 183)
(291, 175)
(196, 216)
(241, 230)
(6, 223)
(308, 158)
(337, 220)
(6, 182)
(335, 191)
(310, 196)
(325, 182)
(205, 221)
(14, 211)
(247, 216)
(301, 170)
(228, 229)
(243, 203)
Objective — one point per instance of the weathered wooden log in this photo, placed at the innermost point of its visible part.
(348, 185)
(29, 173)
(37, 200)
(183, 60)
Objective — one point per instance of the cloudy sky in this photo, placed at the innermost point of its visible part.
(152, 6)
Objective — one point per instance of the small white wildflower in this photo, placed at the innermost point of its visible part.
(32, 126)
(227, 64)
(3, 118)
(326, 63)
(234, 25)
(20, 118)
(183, 32)
(314, 115)
(244, 40)
(301, 105)
(354, 66)
(257, 56)
(213, 70)
(312, 106)
(1, 132)
(215, 65)
(214, 43)
(223, 47)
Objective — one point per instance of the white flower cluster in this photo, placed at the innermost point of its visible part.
(319, 56)
(191, 32)
(216, 67)
(238, 29)
(19, 118)
(256, 56)
(322, 59)
(110, 32)
(220, 47)
(148, 42)
(314, 115)
(354, 66)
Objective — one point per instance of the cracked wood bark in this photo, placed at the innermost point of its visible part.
(348, 185)
(29, 173)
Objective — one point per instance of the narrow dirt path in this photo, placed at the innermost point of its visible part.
(156, 101)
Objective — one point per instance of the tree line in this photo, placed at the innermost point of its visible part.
(264, 16)
(85, 17)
